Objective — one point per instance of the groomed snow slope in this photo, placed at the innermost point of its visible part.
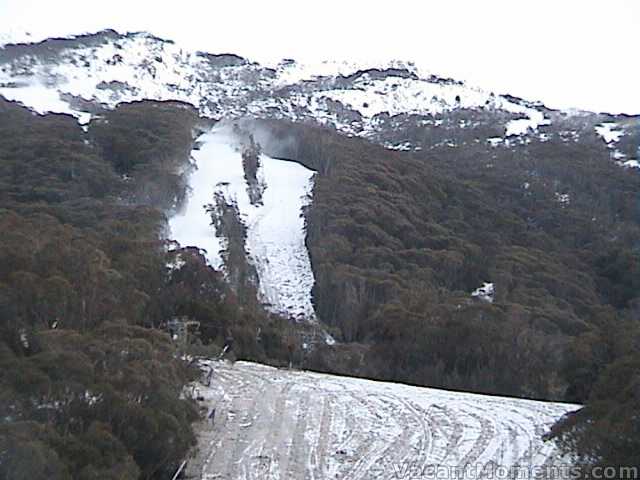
(280, 424)
(276, 233)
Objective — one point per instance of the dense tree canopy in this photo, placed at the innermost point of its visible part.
(90, 386)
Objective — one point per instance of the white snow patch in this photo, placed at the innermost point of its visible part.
(485, 292)
(24, 339)
(276, 232)
(562, 198)
(632, 163)
(618, 155)
(40, 98)
(176, 264)
(611, 133)
(522, 126)
(608, 132)
(290, 71)
(402, 147)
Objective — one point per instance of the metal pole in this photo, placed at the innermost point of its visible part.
(182, 465)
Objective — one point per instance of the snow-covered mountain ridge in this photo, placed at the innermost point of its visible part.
(84, 74)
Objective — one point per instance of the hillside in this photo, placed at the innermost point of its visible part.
(363, 220)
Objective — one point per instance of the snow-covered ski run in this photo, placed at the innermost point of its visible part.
(284, 424)
(275, 242)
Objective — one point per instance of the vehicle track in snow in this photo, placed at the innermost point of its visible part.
(284, 424)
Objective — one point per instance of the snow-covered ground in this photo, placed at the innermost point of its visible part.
(611, 132)
(279, 424)
(395, 95)
(124, 69)
(276, 232)
(116, 69)
(81, 75)
(40, 98)
(486, 292)
(290, 72)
